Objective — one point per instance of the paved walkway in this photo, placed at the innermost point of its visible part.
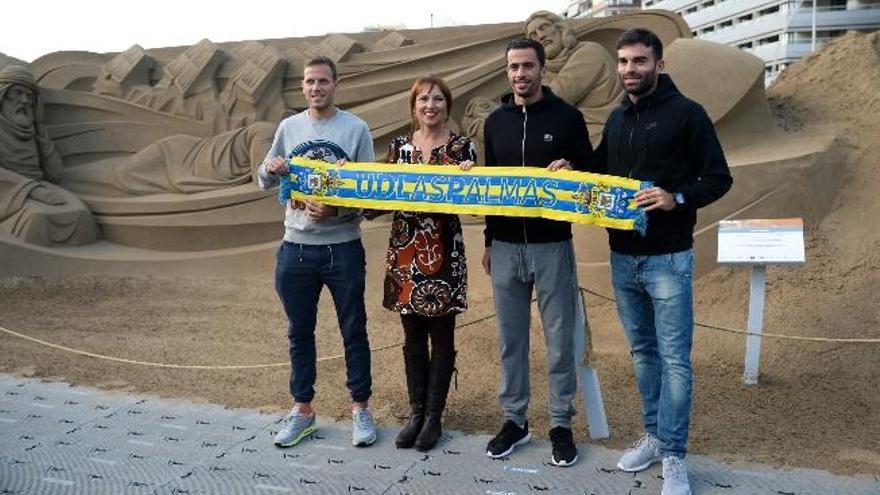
(61, 439)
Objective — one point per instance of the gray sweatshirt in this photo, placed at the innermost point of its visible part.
(341, 136)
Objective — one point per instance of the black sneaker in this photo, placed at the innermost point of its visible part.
(509, 437)
(564, 452)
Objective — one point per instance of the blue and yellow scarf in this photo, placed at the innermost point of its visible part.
(580, 197)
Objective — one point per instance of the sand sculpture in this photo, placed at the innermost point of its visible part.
(160, 144)
(582, 73)
(33, 207)
(179, 164)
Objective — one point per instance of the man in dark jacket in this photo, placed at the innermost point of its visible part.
(659, 135)
(534, 128)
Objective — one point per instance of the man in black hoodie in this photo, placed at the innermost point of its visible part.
(534, 128)
(659, 135)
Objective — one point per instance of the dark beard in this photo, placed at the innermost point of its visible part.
(645, 85)
(531, 90)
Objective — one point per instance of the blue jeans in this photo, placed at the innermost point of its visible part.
(301, 272)
(655, 303)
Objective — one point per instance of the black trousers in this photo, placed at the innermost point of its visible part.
(441, 330)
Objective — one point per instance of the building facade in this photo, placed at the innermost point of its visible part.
(777, 31)
(601, 8)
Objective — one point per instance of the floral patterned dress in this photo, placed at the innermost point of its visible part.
(426, 269)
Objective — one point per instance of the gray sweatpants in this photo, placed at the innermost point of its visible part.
(550, 269)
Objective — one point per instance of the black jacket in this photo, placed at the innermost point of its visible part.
(668, 139)
(534, 136)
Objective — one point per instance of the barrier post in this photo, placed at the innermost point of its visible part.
(588, 378)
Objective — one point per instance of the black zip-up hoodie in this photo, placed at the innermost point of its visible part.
(534, 136)
(670, 140)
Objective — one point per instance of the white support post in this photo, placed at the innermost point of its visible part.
(597, 422)
(813, 30)
(756, 323)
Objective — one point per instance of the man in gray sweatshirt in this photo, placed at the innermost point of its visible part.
(322, 246)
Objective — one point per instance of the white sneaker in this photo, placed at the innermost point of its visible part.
(675, 477)
(363, 429)
(296, 427)
(642, 454)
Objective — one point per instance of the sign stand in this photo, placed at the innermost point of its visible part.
(758, 243)
(756, 323)
(597, 422)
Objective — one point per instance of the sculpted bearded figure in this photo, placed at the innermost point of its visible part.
(581, 73)
(33, 208)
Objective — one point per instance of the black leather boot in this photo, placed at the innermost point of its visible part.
(442, 367)
(417, 368)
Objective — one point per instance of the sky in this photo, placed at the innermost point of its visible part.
(29, 30)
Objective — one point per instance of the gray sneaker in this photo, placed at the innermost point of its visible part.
(296, 428)
(675, 477)
(642, 454)
(363, 429)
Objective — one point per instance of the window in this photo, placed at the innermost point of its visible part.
(744, 18)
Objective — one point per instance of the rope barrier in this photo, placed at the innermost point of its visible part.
(398, 344)
(177, 366)
(746, 332)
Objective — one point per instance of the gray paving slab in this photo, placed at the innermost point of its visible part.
(58, 438)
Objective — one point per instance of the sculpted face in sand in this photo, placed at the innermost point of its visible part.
(546, 31)
(17, 105)
(32, 208)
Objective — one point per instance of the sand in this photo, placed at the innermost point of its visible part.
(817, 404)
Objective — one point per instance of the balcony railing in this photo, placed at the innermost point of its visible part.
(726, 10)
(673, 5)
(756, 28)
(782, 52)
(861, 17)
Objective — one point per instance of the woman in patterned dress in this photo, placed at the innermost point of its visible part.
(426, 270)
